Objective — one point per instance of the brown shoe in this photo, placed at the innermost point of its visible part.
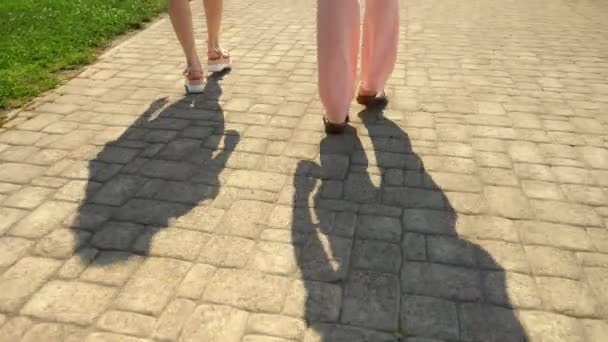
(375, 99)
(334, 128)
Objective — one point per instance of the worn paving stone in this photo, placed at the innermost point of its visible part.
(549, 261)
(567, 213)
(195, 281)
(12, 249)
(215, 323)
(161, 274)
(551, 327)
(570, 297)
(276, 325)
(126, 323)
(245, 218)
(227, 251)
(249, 290)
(23, 279)
(111, 268)
(15, 328)
(112, 337)
(430, 317)
(171, 321)
(507, 202)
(449, 282)
(315, 301)
(70, 302)
(171, 243)
(52, 332)
(371, 300)
(275, 258)
(42, 220)
(345, 333)
(377, 256)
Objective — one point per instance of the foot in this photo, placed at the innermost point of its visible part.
(335, 128)
(219, 60)
(367, 99)
(195, 80)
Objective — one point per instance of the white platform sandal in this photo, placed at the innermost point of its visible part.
(221, 63)
(195, 81)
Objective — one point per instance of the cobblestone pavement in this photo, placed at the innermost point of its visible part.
(474, 209)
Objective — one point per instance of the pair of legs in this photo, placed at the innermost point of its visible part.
(338, 26)
(181, 18)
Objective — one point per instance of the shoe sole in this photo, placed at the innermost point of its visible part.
(218, 67)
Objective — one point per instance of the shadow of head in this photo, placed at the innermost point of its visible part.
(165, 164)
(378, 251)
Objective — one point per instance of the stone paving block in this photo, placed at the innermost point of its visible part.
(43, 219)
(314, 301)
(8, 216)
(379, 228)
(570, 297)
(542, 190)
(23, 279)
(511, 289)
(345, 333)
(215, 323)
(545, 326)
(15, 328)
(52, 332)
(19, 173)
(595, 330)
(245, 218)
(597, 279)
(588, 195)
(481, 322)
(227, 251)
(371, 300)
(116, 235)
(250, 290)
(276, 325)
(549, 261)
(77, 263)
(430, 317)
(203, 218)
(429, 221)
(27, 197)
(111, 337)
(60, 243)
(256, 180)
(70, 302)
(376, 256)
(275, 258)
(118, 190)
(499, 255)
(111, 268)
(507, 202)
(316, 264)
(566, 213)
(161, 274)
(171, 321)
(450, 250)
(150, 212)
(171, 243)
(195, 281)
(12, 249)
(127, 323)
(438, 280)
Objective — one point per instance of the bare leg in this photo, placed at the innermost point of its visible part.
(181, 18)
(213, 14)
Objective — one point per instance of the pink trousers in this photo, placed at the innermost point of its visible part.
(338, 25)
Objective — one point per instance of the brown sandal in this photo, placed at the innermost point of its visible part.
(335, 128)
(375, 99)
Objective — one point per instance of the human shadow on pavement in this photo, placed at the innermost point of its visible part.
(164, 165)
(379, 254)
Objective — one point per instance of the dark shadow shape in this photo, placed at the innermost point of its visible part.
(158, 170)
(384, 262)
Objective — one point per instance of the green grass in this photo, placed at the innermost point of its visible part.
(39, 38)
